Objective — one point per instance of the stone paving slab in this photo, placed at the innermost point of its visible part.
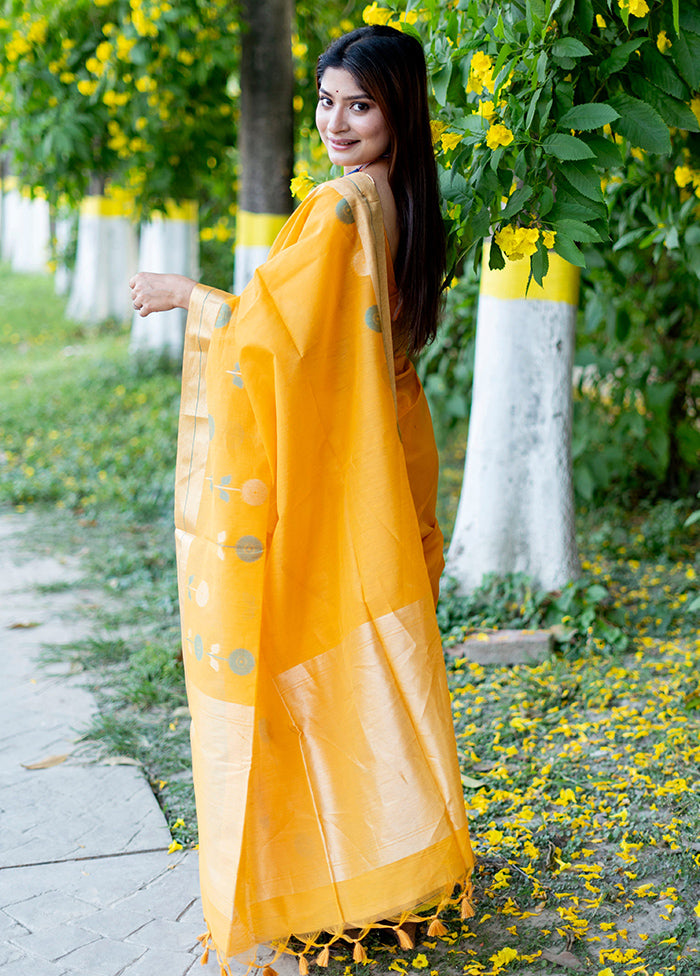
(87, 887)
(502, 647)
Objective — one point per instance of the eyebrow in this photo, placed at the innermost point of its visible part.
(348, 98)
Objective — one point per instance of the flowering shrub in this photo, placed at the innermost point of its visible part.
(536, 101)
(91, 89)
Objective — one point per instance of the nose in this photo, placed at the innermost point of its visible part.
(338, 119)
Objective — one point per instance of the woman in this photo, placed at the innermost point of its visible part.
(328, 791)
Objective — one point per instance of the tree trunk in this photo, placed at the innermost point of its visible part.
(266, 133)
(169, 243)
(516, 511)
(106, 259)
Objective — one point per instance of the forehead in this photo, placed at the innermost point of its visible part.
(339, 81)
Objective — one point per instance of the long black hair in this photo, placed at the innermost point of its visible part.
(390, 67)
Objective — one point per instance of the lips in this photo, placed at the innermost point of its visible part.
(340, 145)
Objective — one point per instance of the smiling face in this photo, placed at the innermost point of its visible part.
(350, 123)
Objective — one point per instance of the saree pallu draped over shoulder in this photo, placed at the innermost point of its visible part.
(328, 791)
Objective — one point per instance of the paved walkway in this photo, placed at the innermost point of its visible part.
(87, 887)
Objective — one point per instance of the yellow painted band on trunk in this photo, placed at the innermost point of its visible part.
(105, 207)
(187, 210)
(258, 230)
(560, 284)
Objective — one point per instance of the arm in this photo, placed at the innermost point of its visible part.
(160, 292)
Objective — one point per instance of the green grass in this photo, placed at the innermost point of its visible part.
(580, 774)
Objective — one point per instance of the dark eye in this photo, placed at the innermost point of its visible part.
(360, 106)
(325, 101)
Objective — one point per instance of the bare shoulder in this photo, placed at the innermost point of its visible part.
(379, 173)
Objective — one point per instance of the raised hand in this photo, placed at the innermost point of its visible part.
(151, 292)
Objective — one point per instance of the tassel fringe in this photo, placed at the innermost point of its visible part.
(405, 940)
(359, 954)
(436, 929)
(461, 899)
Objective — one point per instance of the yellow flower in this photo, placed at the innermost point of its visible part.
(37, 31)
(480, 63)
(695, 107)
(420, 962)
(86, 87)
(124, 46)
(498, 135)
(600, 21)
(548, 237)
(637, 8)
(487, 109)
(374, 14)
(175, 846)
(302, 185)
(502, 958)
(145, 84)
(449, 140)
(683, 175)
(408, 17)
(103, 51)
(517, 242)
(437, 127)
(662, 42)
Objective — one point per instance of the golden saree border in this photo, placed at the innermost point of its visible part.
(325, 767)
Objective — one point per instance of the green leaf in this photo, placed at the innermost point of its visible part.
(672, 110)
(546, 201)
(481, 222)
(496, 260)
(584, 178)
(686, 55)
(689, 18)
(566, 147)
(641, 124)
(569, 47)
(440, 82)
(566, 249)
(516, 201)
(629, 238)
(578, 231)
(623, 324)
(607, 154)
(619, 58)
(590, 115)
(539, 263)
(584, 15)
(676, 16)
(659, 70)
(531, 108)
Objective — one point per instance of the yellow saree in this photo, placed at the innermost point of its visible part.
(325, 768)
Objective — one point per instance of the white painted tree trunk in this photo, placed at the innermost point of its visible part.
(63, 274)
(106, 259)
(255, 234)
(516, 511)
(12, 201)
(169, 245)
(31, 248)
